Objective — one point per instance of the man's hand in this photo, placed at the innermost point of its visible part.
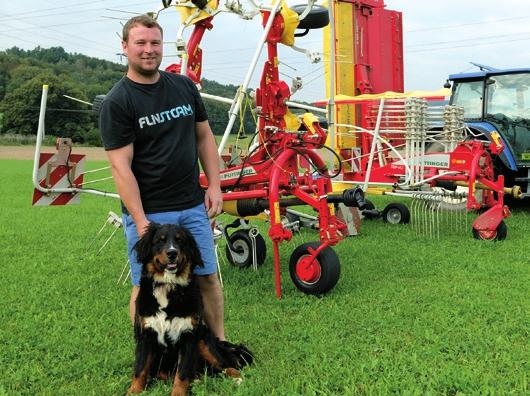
(141, 227)
(213, 200)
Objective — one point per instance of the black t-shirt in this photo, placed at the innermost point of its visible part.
(159, 119)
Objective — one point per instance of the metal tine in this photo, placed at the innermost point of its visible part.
(97, 235)
(438, 211)
(464, 215)
(430, 214)
(107, 241)
(412, 214)
(425, 220)
(436, 215)
(123, 272)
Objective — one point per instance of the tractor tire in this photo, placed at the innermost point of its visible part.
(318, 277)
(242, 257)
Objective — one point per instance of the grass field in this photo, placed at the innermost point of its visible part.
(409, 315)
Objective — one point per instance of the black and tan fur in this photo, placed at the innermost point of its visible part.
(171, 336)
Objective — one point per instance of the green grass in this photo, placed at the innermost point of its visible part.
(410, 315)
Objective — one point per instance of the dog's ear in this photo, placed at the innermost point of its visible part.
(193, 250)
(144, 245)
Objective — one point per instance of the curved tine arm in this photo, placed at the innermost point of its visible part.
(308, 8)
(314, 56)
(234, 6)
(260, 6)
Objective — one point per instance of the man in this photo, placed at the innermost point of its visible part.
(155, 129)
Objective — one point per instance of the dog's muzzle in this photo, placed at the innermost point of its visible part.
(172, 255)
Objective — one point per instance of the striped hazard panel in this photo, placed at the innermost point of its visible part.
(58, 176)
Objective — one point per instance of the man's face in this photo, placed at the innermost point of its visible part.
(144, 50)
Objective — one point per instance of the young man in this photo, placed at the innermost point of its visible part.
(155, 129)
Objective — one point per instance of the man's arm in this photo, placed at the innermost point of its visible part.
(209, 159)
(120, 164)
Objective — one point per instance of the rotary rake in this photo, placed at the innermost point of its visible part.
(410, 146)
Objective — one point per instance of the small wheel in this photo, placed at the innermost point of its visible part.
(317, 18)
(499, 234)
(314, 276)
(396, 213)
(242, 242)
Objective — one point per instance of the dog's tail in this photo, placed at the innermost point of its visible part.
(236, 356)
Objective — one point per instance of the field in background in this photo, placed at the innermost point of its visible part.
(409, 315)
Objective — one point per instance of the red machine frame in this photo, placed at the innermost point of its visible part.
(270, 176)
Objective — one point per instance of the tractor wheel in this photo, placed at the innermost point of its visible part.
(396, 213)
(499, 234)
(242, 242)
(317, 18)
(317, 276)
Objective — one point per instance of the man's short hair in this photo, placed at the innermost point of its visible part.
(144, 20)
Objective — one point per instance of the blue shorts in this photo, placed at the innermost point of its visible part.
(194, 219)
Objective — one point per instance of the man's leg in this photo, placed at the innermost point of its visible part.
(136, 268)
(132, 302)
(212, 297)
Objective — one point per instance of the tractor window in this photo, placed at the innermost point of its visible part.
(509, 95)
(469, 96)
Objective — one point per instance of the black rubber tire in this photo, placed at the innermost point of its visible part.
(499, 235)
(396, 213)
(329, 269)
(317, 18)
(241, 239)
(96, 104)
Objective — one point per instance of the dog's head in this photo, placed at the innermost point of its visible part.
(167, 251)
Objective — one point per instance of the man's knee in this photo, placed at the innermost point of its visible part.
(208, 281)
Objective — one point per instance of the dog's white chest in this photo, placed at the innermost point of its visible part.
(172, 328)
(163, 326)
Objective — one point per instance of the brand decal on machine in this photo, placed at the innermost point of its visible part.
(432, 160)
(237, 173)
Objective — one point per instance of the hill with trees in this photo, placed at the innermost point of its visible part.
(23, 73)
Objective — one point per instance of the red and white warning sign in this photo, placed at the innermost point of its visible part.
(56, 172)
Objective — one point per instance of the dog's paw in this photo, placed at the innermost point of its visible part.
(234, 374)
(135, 388)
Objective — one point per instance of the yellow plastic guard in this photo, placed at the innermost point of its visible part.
(291, 121)
(186, 12)
(290, 20)
(309, 119)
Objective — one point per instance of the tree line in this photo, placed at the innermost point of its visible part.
(24, 72)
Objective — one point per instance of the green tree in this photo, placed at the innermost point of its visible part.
(64, 117)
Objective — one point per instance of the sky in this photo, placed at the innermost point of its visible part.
(440, 37)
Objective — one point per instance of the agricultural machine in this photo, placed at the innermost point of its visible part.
(410, 148)
(283, 167)
(368, 140)
(405, 144)
(497, 106)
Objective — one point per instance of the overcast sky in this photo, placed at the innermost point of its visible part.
(441, 37)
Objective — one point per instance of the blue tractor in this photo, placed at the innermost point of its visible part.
(499, 100)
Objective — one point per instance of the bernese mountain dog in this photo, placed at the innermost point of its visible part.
(172, 338)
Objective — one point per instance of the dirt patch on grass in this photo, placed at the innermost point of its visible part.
(28, 152)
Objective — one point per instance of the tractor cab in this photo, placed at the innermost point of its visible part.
(498, 100)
